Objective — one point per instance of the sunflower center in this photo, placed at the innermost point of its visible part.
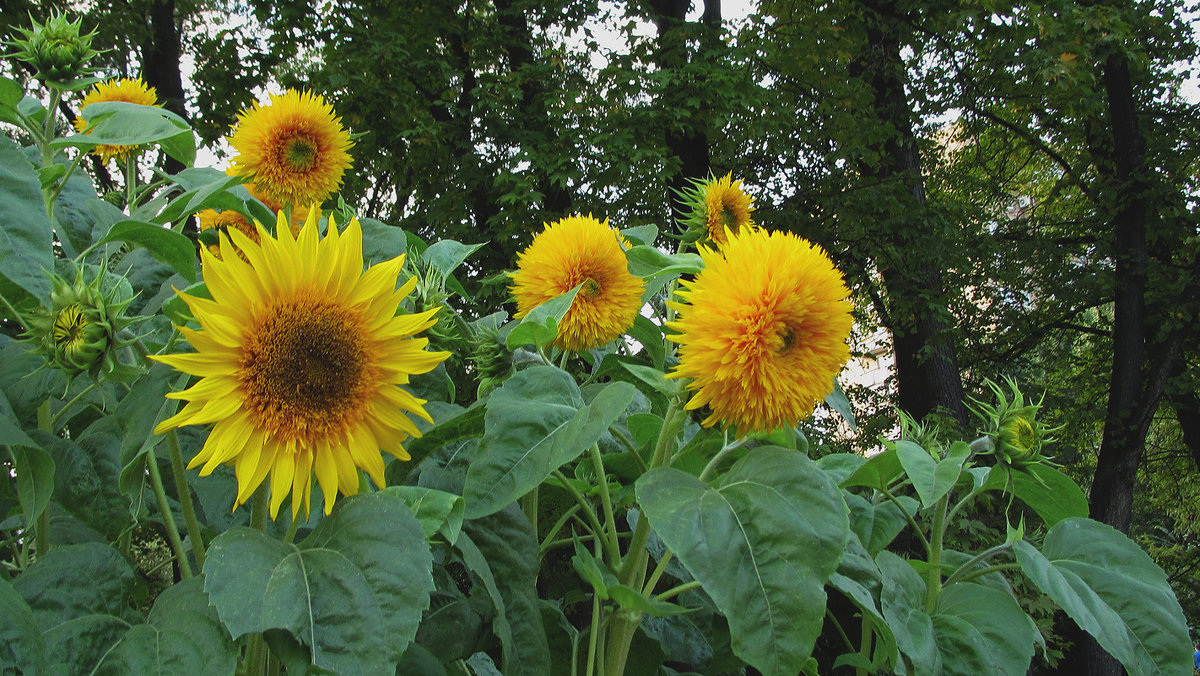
(590, 288)
(305, 369)
(69, 326)
(729, 217)
(299, 153)
(787, 338)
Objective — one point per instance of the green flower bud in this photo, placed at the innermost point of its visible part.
(1017, 437)
(56, 49)
(80, 331)
(490, 358)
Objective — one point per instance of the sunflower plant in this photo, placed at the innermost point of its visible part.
(606, 476)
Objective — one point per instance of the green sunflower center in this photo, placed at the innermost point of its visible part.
(590, 288)
(69, 327)
(729, 217)
(299, 153)
(306, 369)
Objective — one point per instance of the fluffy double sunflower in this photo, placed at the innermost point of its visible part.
(586, 252)
(295, 147)
(762, 330)
(301, 358)
(125, 89)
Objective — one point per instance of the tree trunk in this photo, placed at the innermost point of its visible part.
(926, 359)
(689, 143)
(160, 64)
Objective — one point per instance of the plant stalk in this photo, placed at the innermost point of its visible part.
(185, 499)
(164, 507)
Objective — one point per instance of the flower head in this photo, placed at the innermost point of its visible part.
(295, 147)
(574, 251)
(301, 356)
(714, 206)
(763, 330)
(125, 89)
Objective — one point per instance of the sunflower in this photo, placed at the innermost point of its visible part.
(129, 91)
(573, 251)
(300, 354)
(296, 148)
(714, 206)
(763, 330)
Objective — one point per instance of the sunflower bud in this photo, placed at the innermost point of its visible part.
(80, 331)
(56, 49)
(1017, 437)
(712, 206)
(491, 359)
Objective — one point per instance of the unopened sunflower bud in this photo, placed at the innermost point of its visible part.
(57, 50)
(80, 332)
(492, 361)
(1017, 437)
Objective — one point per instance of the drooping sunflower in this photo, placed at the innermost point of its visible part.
(715, 205)
(763, 330)
(572, 251)
(295, 147)
(301, 356)
(125, 89)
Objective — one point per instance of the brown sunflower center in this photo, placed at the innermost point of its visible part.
(299, 153)
(305, 370)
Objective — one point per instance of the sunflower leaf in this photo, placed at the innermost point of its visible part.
(782, 526)
(540, 326)
(164, 244)
(535, 423)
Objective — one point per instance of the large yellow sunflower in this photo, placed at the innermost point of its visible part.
(763, 330)
(300, 356)
(295, 147)
(569, 252)
(129, 91)
(716, 205)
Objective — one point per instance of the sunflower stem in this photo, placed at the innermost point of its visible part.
(866, 639)
(164, 507)
(258, 508)
(185, 498)
(611, 552)
(62, 411)
(610, 520)
(41, 532)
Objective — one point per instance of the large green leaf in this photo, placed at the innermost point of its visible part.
(902, 601)
(119, 123)
(540, 326)
(762, 544)
(970, 615)
(930, 477)
(181, 636)
(1049, 492)
(859, 579)
(502, 550)
(35, 480)
(369, 556)
(1114, 591)
(76, 580)
(21, 648)
(536, 422)
(164, 244)
(26, 243)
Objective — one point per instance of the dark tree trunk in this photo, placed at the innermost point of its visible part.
(690, 143)
(160, 64)
(926, 359)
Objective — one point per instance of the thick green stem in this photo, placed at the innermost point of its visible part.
(164, 507)
(185, 499)
(258, 508)
(677, 590)
(866, 639)
(933, 581)
(619, 638)
(610, 520)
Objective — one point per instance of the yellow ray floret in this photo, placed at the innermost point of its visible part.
(295, 147)
(762, 330)
(575, 251)
(299, 357)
